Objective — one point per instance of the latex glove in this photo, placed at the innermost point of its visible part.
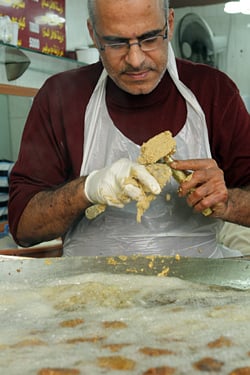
(111, 185)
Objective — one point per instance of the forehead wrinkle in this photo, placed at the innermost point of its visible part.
(134, 36)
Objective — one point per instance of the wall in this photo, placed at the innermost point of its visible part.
(5, 146)
(18, 111)
(14, 111)
(236, 28)
(76, 30)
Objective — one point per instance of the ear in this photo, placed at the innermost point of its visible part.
(91, 32)
(170, 23)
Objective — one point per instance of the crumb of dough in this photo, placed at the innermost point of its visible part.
(116, 363)
(123, 258)
(220, 342)
(157, 147)
(164, 370)
(208, 364)
(168, 197)
(29, 342)
(58, 371)
(115, 347)
(71, 323)
(77, 340)
(111, 260)
(95, 210)
(164, 272)
(155, 352)
(143, 205)
(241, 371)
(114, 324)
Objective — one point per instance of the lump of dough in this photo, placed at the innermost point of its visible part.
(157, 147)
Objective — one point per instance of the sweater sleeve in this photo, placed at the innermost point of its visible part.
(231, 146)
(52, 143)
(227, 120)
(229, 129)
(42, 162)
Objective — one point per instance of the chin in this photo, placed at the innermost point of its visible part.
(138, 89)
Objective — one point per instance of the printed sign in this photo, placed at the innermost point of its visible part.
(41, 24)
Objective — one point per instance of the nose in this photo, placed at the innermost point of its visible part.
(135, 56)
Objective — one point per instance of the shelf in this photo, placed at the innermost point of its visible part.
(24, 58)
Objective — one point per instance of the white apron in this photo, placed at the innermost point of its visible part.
(167, 227)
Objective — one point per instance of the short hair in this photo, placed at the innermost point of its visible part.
(92, 9)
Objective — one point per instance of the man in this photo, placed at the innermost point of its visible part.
(92, 121)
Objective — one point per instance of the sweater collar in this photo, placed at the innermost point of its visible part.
(120, 98)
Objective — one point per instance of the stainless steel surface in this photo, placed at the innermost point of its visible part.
(110, 323)
(233, 272)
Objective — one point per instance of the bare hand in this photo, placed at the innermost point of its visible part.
(206, 188)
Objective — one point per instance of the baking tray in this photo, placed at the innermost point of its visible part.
(231, 272)
(98, 315)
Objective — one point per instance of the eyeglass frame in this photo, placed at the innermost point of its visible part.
(126, 43)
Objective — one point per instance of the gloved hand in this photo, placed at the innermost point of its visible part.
(111, 185)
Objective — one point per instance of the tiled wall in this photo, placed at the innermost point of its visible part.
(18, 111)
(5, 145)
(14, 111)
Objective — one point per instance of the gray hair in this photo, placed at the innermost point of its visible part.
(92, 10)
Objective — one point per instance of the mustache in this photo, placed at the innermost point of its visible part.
(130, 69)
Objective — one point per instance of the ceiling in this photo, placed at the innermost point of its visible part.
(189, 3)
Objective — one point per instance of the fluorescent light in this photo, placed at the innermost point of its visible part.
(242, 6)
(232, 7)
(245, 6)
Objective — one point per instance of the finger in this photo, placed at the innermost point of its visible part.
(194, 164)
(204, 181)
(196, 195)
(200, 200)
(146, 179)
(113, 201)
(133, 192)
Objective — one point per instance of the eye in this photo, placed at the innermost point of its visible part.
(149, 41)
(117, 45)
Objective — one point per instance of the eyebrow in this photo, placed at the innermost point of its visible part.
(119, 39)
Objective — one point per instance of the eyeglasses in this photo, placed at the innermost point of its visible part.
(146, 44)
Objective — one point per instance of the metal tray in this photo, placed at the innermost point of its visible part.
(231, 272)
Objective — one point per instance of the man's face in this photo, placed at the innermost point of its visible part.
(132, 69)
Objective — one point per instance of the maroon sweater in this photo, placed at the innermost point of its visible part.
(52, 144)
